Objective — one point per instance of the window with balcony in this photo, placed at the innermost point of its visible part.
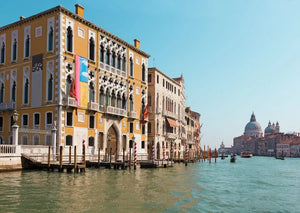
(107, 98)
(69, 140)
(131, 67)
(2, 53)
(13, 91)
(107, 56)
(69, 40)
(14, 50)
(50, 39)
(26, 91)
(101, 53)
(113, 98)
(91, 141)
(113, 59)
(124, 64)
(91, 92)
(92, 122)
(92, 49)
(68, 84)
(101, 96)
(119, 100)
(27, 47)
(119, 62)
(69, 120)
(25, 120)
(131, 108)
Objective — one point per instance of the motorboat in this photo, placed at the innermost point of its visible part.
(246, 154)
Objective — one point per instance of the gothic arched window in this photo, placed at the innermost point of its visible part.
(27, 44)
(143, 72)
(13, 91)
(130, 103)
(2, 53)
(131, 66)
(69, 82)
(50, 39)
(124, 64)
(14, 50)
(26, 91)
(50, 88)
(92, 49)
(101, 96)
(69, 39)
(107, 55)
(91, 92)
(2, 93)
(101, 53)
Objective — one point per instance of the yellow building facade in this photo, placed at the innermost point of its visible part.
(65, 74)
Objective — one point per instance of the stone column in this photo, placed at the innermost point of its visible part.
(15, 129)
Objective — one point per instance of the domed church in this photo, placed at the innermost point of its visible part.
(271, 129)
(253, 128)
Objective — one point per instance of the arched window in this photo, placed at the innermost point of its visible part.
(119, 62)
(50, 39)
(50, 88)
(2, 93)
(149, 127)
(119, 100)
(2, 53)
(69, 82)
(26, 91)
(101, 53)
(69, 39)
(69, 140)
(124, 64)
(24, 140)
(13, 91)
(107, 97)
(143, 72)
(131, 66)
(91, 92)
(143, 105)
(113, 99)
(124, 102)
(107, 57)
(101, 96)
(113, 59)
(92, 49)
(14, 50)
(130, 103)
(91, 141)
(27, 44)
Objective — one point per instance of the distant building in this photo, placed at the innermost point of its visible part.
(224, 150)
(254, 142)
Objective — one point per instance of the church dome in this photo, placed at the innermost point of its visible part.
(253, 128)
(269, 129)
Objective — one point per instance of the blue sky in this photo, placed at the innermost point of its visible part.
(236, 56)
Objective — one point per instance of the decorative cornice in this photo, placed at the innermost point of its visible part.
(78, 18)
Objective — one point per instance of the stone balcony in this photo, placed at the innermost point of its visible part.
(93, 106)
(113, 70)
(8, 106)
(132, 114)
(71, 102)
(115, 111)
(170, 135)
(170, 114)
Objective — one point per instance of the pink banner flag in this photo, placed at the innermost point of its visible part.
(77, 78)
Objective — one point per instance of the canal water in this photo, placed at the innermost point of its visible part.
(258, 184)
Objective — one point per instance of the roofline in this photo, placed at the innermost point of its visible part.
(155, 69)
(60, 8)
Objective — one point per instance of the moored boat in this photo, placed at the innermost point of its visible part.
(246, 155)
(233, 158)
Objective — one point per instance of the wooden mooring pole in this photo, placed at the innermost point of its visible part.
(75, 159)
(60, 158)
(49, 153)
(70, 154)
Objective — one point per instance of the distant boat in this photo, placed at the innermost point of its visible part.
(233, 158)
(280, 157)
(246, 154)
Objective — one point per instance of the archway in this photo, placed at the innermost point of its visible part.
(158, 151)
(112, 141)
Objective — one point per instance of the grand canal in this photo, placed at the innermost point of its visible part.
(258, 184)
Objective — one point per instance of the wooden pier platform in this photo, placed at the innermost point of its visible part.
(108, 165)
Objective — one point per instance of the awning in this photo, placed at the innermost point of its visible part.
(172, 122)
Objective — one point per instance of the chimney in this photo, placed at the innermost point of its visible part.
(22, 18)
(137, 43)
(79, 10)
